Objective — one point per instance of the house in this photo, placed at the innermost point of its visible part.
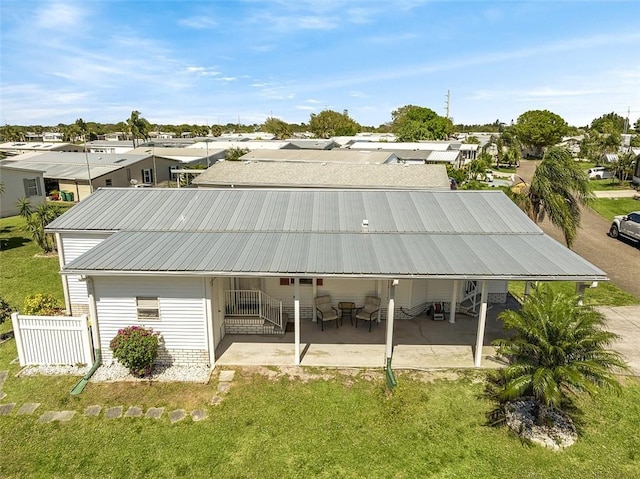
(110, 146)
(636, 167)
(186, 156)
(262, 174)
(242, 143)
(20, 183)
(80, 173)
(321, 156)
(199, 264)
(12, 148)
(417, 152)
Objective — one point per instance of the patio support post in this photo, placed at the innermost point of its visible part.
(454, 299)
(93, 314)
(315, 294)
(482, 318)
(527, 288)
(580, 287)
(379, 293)
(65, 279)
(207, 284)
(296, 316)
(389, 343)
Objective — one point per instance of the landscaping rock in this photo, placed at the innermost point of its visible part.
(133, 411)
(28, 408)
(154, 412)
(215, 400)
(92, 411)
(114, 412)
(177, 415)
(199, 415)
(223, 388)
(5, 409)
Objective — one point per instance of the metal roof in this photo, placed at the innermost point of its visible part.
(321, 156)
(443, 234)
(444, 156)
(325, 175)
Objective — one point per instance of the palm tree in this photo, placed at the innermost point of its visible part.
(36, 220)
(558, 188)
(138, 127)
(558, 351)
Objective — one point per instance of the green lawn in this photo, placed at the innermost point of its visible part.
(610, 185)
(605, 294)
(610, 207)
(336, 424)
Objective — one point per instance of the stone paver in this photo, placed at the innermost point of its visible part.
(223, 388)
(64, 416)
(3, 377)
(154, 412)
(114, 412)
(3, 395)
(215, 400)
(177, 415)
(133, 411)
(47, 416)
(92, 411)
(226, 376)
(199, 415)
(28, 408)
(5, 409)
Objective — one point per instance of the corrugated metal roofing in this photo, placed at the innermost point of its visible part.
(351, 254)
(321, 156)
(445, 234)
(289, 210)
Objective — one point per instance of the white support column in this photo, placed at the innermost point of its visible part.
(65, 281)
(296, 315)
(315, 294)
(379, 294)
(207, 285)
(580, 287)
(482, 319)
(17, 334)
(454, 300)
(93, 315)
(390, 313)
(527, 288)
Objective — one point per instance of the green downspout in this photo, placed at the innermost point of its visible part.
(391, 378)
(78, 388)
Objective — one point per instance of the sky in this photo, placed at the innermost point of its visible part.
(218, 62)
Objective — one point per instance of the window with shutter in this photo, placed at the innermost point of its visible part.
(148, 308)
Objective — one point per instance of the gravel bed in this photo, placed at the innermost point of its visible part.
(54, 371)
(558, 434)
(117, 372)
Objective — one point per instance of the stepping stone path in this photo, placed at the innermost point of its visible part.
(224, 385)
(177, 415)
(28, 408)
(133, 411)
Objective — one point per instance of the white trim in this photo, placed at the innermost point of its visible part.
(454, 299)
(482, 319)
(208, 321)
(296, 311)
(65, 284)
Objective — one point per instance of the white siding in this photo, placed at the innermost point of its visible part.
(75, 245)
(181, 303)
(418, 292)
(14, 191)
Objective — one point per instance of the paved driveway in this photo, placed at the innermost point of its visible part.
(625, 321)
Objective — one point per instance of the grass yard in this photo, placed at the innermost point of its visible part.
(605, 294)
(609, 185)
(332, 424)
(610, 207)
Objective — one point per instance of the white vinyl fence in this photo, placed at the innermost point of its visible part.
(52, 340)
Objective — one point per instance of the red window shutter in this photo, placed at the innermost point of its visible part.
(284, 281)
(319, 281)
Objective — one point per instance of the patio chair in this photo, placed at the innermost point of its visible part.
(325, 311)
(369, 312)
(438, 312)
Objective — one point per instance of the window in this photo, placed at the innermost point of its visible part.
(303, 281)
(108, 182)
(32, 187)
(148, 308)
(147, 175)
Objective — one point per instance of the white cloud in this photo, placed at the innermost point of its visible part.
(198, 23)
(57, 15)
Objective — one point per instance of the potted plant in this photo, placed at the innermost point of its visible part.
(55, 195)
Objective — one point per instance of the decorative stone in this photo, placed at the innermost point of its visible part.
(216, 400)
(5, 409)
(133, 411)
(28, 408)
(223, 388)
(177, 415)
(154, 412)
(92, 411)
(47, 416)
(199, 415)
(226, 376)
(114, 412)
(64, 416)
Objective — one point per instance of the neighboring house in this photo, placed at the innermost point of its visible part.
(636, 167)
(12, 148)
(417, 152)
(191, 263)
(243, 174)
(110, 146)
(321, 156)
(609, 158)
(572, 144)
(20, 183)
(241, 143)
(72, 171)
(311, 144)
(186, 156)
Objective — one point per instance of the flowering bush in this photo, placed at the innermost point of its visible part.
(41, 305)
(136, 348)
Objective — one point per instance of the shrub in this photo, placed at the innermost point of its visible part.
(5, 310)
(40, 305)
(136, 348)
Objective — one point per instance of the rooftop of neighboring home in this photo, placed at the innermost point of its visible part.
(312, 144)
(321, 156)
(73, 166)
(364, 136)
(184, 155)
(324, 175)
(397, 146)
(18, 146)
(244, 144)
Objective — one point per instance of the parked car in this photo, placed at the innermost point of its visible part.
(626, 225)
(488, 176)
(599, 173)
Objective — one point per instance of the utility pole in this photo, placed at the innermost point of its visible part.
(448, 103)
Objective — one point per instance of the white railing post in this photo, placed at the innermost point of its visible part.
(18, 335)
(86, 341)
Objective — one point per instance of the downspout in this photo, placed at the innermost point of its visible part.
(93, 314)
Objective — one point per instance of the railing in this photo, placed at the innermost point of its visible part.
(52, 340)
(254, 303)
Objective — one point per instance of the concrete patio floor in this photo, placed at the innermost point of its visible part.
(419, 343)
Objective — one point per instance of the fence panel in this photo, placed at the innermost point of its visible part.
(52, 340)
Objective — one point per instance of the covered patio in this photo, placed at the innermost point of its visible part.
(418, 343)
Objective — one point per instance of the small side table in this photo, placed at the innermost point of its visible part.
(346, 307)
